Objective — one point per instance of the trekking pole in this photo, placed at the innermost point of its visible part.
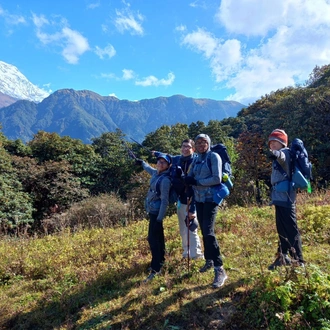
(187, 224)
(141, 145)
(130, 152)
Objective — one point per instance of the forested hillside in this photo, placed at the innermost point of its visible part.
(53, 170)
(74, 237)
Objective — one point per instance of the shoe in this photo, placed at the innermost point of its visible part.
(281, 260)
(208, 265)
(219, 277)
(150, 276)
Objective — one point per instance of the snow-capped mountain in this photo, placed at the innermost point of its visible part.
(14, 84)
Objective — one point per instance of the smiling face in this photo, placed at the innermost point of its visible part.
(202, 145)
(162, 165)
(187, 149)
(275, 145)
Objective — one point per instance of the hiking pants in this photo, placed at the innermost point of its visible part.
(156, 242)
(195, 248)
(288, 232)
(206, 214)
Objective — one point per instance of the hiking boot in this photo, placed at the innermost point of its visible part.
(150, 276)
(208, 265)
(219, 277)
(281, 260)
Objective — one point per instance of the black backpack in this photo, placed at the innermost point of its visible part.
(176, 177)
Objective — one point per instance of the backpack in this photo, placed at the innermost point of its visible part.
(176, 178)
(221, 150)
(300, 167)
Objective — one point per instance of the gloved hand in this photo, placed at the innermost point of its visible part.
(178, 171)
(190, 181)
(159, 220)
(138, 162)
(274, 154)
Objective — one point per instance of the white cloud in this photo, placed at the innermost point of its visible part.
(273, 44)
(128, 74)
(224, 57)
(114, 95)
(109, 51)
(93, 5)
(181, 28)
(72, 43)
(75, 45)
(198, 4)
(153, 81)
(126, 20)
(10, 19)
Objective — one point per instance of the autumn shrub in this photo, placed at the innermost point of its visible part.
(106, 210)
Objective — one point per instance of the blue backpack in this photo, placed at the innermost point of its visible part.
(221, 150)
(300, 167)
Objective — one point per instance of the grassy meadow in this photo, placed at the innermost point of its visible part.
(93, 278)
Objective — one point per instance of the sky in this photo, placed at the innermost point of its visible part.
(236, 50)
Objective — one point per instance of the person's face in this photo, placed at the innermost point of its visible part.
(186, 149)
(275, 145)
(162, 165)
(202, 145)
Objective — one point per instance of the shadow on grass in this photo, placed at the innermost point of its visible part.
(195, 314)
(63, 311)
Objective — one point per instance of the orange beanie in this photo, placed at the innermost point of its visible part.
(280, 136)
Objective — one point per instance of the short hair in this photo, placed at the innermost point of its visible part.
(192, 142)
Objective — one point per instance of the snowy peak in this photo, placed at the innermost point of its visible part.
(14, 84)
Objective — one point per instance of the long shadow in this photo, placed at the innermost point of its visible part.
(65, 310)
(155, 321)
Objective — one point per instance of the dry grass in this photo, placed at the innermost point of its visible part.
(92, 278)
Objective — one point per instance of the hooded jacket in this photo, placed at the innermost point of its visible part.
(206, 177)
(154, 203)
(280, 198)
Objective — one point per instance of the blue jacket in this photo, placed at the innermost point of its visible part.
(205, 176)
(155, 204)
(279, 198)
(183, 190)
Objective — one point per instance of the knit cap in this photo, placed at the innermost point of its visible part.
(280, 136)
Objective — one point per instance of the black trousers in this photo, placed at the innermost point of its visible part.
(288, 232)
(206, 215)
(156, 241)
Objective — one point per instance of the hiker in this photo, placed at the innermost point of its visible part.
(204, 179)
(156, 206)
(283, 196)
(186, 197)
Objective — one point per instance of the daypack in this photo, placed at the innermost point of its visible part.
(221, 150)
(176, 178)
(300, 167)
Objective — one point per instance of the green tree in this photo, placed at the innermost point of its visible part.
(48, 184)
(116, 166)
(195, 129)
(15, 204)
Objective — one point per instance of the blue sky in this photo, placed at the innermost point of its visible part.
(140, 49)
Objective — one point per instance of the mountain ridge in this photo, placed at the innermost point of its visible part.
(85, 114)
